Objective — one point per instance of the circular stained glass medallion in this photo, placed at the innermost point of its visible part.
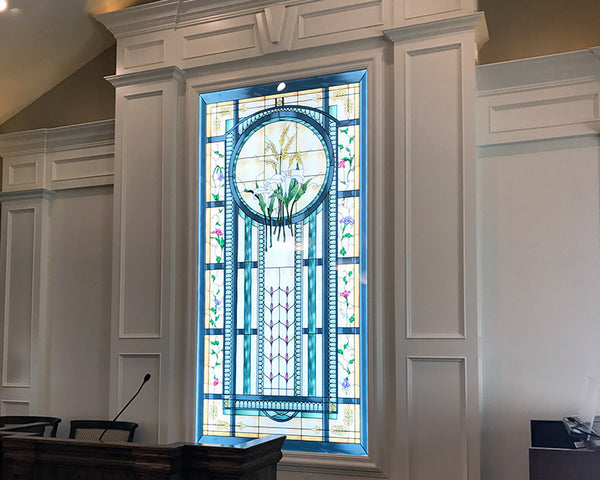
(281, 172)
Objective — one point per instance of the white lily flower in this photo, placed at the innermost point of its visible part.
(285, 179)
(267, 188)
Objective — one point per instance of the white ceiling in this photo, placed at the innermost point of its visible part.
(41, 45)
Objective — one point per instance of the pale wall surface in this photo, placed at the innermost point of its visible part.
(540, 282)
(79, 303)
(539, 240)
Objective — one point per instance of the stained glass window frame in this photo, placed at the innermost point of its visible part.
(360, 124)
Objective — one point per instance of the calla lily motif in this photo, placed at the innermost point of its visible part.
(284, 180)
(277, 195)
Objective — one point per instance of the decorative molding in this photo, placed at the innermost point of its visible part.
(540, 72)
(343, 465)
(26, 195)
(539, 98)
(23, 143)
(36, 159)
(275, 15)
(475, 21)
(142, 19)
(150, 76)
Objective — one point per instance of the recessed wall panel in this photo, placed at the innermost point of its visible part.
(14, 407)
(419, 8)
(82, 167)
(434, 194)
(436, 413)
(144, 410)
(18, 307)
(141, 218)
(143, 54)
(340, 19)
(22, 173)
(544, 113)
(221, 39)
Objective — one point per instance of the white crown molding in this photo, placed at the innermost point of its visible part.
(46, 140)
(57, 158)
(141, 19)
(444, 26)
(149, 76)
(171, 14)
(85, 135)
(23, 143)
(533, 73)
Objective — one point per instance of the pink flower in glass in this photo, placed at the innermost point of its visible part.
(345, 294)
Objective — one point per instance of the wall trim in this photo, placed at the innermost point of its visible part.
(475, 21)
(150, 76)
(58, 158)
(539, 98)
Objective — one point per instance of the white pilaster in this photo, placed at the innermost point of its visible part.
(436, 300)
(145, 319)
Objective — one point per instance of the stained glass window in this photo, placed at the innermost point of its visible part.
(282, 264)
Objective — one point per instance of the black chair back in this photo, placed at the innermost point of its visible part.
(92, 430)
(50, 430)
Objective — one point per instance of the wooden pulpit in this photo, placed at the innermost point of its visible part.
(26, 457)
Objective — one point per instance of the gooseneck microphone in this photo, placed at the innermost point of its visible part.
(146, 378)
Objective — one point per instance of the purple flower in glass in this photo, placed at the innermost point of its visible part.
(220, 177)
(217, 302)
(345, 383)
(347, 220)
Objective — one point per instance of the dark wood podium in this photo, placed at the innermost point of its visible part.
(35, 458)
(563, 464)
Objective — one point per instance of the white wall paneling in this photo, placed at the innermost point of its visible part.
(144, 311)
(23, 263)
(191, 34)
(146, 407)
(437, 406)
(207, 45)
(539, 235)
(407, 12)
(542, 98)
(37, 308)
(58, 158)
(14, 407)
(435, 227)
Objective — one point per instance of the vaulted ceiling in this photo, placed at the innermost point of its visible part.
(42, 42)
